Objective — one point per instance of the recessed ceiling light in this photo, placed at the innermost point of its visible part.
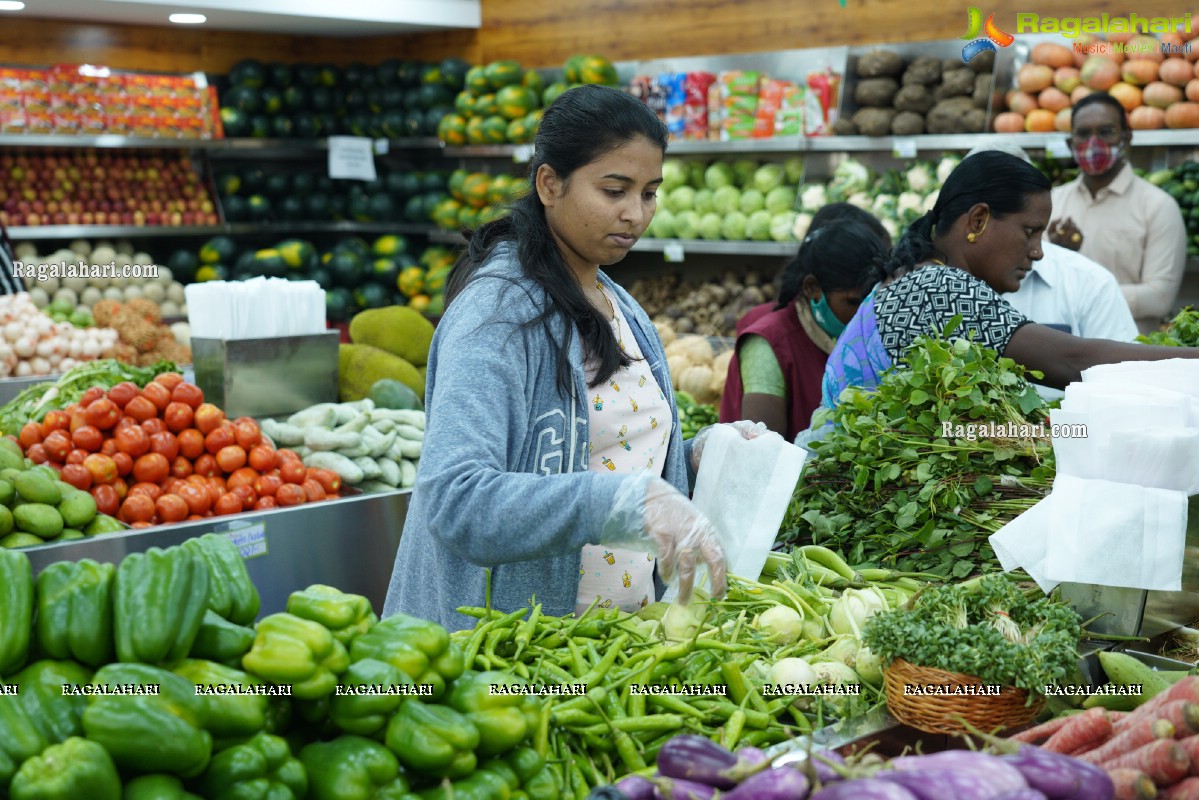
(11, 5)
(188, 19)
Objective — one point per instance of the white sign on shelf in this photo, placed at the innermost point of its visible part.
(1058, 148)
(903, 147)
(352, 158)
(673, 252)
(522, 154)
(382, 146)
(250, 540)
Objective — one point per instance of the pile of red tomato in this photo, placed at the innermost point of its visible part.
(160, 454)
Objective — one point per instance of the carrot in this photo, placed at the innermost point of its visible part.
(1186, 689)
(1191, 746)
(1132, 784)
(1182, 715)
(1183, 790)
(1044, 730)
(1164, 761)
(1088, 728)
(1139, 735)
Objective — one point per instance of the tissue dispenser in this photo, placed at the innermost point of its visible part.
(268, 377)
(1138, 612)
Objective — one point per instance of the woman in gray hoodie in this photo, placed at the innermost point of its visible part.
(552, 454)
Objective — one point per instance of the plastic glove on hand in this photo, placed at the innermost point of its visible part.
(747, 429)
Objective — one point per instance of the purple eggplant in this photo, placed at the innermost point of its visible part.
(751, 756)
(1023, 794)
(820, 762)
(863, 789)
(1061, 777)
(780, 783)
(955, 774)
(695, 758)
(679, 789)
(635, 787)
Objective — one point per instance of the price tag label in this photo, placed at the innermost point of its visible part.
(250, 540)
(382, 146)
(1058, 148)
(904, 147)
(673, 252)
(352, 158)
(522, 154)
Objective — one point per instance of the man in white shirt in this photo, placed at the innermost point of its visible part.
(1068, 291)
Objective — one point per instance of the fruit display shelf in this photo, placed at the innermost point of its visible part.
(103, 141)
(36, 233)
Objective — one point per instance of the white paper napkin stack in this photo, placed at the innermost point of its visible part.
(258, 308)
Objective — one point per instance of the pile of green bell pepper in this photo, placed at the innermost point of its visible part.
(221, 641)
(300, 652)
(40, 715)
(433, 740)
(261, 769)
(159, 598)
(419, 648)
(75, 768)
(503, 720)
(353, 768)
(231, 593)
(74, 611)
(232, 709)
(16, 598)
(157, 787)
(345, 615)
(366, 714)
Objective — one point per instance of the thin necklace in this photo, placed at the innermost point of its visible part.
(612, 311)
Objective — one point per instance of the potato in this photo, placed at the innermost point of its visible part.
(925, 71)
(948, 116)
(845, 127)
(914, 97)
(955, 83)
(982, 90)
(875, 92)
(879, 63)
(874, 121)
(950, 64)
(983, 62)
(974, 121)
(907, 123)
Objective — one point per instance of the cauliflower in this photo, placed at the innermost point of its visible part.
(908, 201)
(929, 202)
(861, 200)
(849, 177)
(892, 228)
(813, 197)
(883, 206)
(920, 177)
(948, 164)
(800, 229)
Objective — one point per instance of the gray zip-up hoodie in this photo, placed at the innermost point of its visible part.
(503, 481)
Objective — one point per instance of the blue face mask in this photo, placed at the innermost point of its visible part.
(825, 317)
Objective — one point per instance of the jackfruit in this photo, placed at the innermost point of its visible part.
(399, 330)
(360, 365)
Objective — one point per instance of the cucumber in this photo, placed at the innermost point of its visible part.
(1114, 702)
(1124, 670)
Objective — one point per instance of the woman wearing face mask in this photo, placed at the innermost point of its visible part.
(1120, 220)
(774, 378)
(980, 240)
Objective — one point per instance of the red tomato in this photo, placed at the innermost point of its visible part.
(78, 476)
(123, 392)
(197, 498)
(219, 439)
(171, 508)
(133, 440)
(37, 454)
(265, 503)
(57, 445)
(247, 432)
(123, 423)
(152, 467)
(124, 463)
(228, 503)
(292, 470)
(166, 443)
(241, 477)
(151, 489)
(313, 490)
(154, 425)
(285, 453)
(263, 458)
(178, 416)
(76, 456)
(191, 443)
(107, 501)
(31, 434)
(88, 438)
(181, 467)
(91, 394)
(169, 379)
(141, 409)
(157, 394)
(78, 419)
(247, 495)
(55, 421)
(187, 393)
(205, 465)
(290, 494)
(121, 486)
(215, 491)
(172, 483)
(102, 413)
(208, 418)
(267, 485)
(136, 508)
(109, 447)
(231, 458)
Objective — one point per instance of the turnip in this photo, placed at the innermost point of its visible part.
(781, 624)
(113, 293)
(165, 276)
(169, 308)
(154, 291)
(39, 296)
(133, 291)
(82, 246)
(90, 296)
(66, 295)
(175, 292)
(680, 622)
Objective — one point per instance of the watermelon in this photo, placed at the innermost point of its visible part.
(518, 131)
(533, 81)
(414, 123)
(354, 72)
(432, 119)
(372, 295)
(385, 271)
(445, 214)
(486, 105)
(497, 191)
(595, 69)
(183, 265)
(391, 394)
(430, 75)
(295, 98)
(338, 204)
(404, 184)
(356, 245)
(281, 75)
(327, 75)
(436, 305)
(476, 81)
(452, 130)
(393, 123)
(410, 73)
(435, 278)
(317, 207)
(228, 183)
(339, 304)
(552, 91)
(464, 103)
(320, 98)
(253, 181)
(217, 250)
(298, 254)
(243, 98)
(346, 268)
(235, 122)
(388, 72)
(355, 99)
(260, 127)
(431, 96)
(474, 131)
(330, 124)
(322, 278)
(278, 184)
(572, 69)
(270, 100)
(454, 185)
(415, 210)
(468, 218)
(381, 208)
(270, 263)
(305, 74)
(503, 73)
(453, 72)
(515, 102)
(533, 121)
(389, 245)
(495, 130)
(284, 127)
(474, 189)
(249, 72)
(303, 183)
(259, 208)
(291, 208)
(411, 281)
(211, 272)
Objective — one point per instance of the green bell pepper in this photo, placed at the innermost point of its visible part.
(16, 598)
(345, 615)
(161, 732)
(356, 711)
(74, 611)
(235, 704)
(74, 768)
(542, 785)
(261, 769)
(480, 785)
(40, 714)
(500, 718)
(231, 593)
(159, 598)
(352, 768)
(221, 641)
(297, 651)
(434, 740)
(419, 648)
(157, 787)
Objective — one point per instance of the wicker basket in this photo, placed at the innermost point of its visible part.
(939, 713)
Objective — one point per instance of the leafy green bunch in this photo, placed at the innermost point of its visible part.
(887, 489)
(986, 628)
(1183, 331)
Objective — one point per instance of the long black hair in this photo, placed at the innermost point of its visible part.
(581, 126)
(1000, 180)
(844, 254)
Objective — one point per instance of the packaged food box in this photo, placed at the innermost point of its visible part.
(695, 104)
(789, 119)
(674, 97)
(823, 96)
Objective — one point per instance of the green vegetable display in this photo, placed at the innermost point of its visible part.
(74, 611)
(40, 715)
(1183, 331)
(353, 768)
(159, 598)
(693, 415)
(434, 740)
(221, 641)
(501, 719)
(418, 648)
(157, 787)
(987, 628)
(227, 715)
(261, 768)
(40, 399)
(367, 714)
(231, 593)
(16, 598)
(74, 768)
(288, 649)
(888, 489)
(345, 615)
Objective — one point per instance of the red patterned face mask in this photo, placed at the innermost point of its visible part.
(1096, 156)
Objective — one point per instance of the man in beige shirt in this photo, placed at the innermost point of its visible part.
(1120, 220)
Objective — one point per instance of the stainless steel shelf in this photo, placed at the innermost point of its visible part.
(443, 236)
(35, 233)
(212, 145)
(716, 247)
(781, 144)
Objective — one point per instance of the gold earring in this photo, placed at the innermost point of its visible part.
(970, 237)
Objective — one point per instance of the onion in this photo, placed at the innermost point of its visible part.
(40, 366)
(13, 331)
(67, 364)
(25, 346)
(45, 348)
(23, 369)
